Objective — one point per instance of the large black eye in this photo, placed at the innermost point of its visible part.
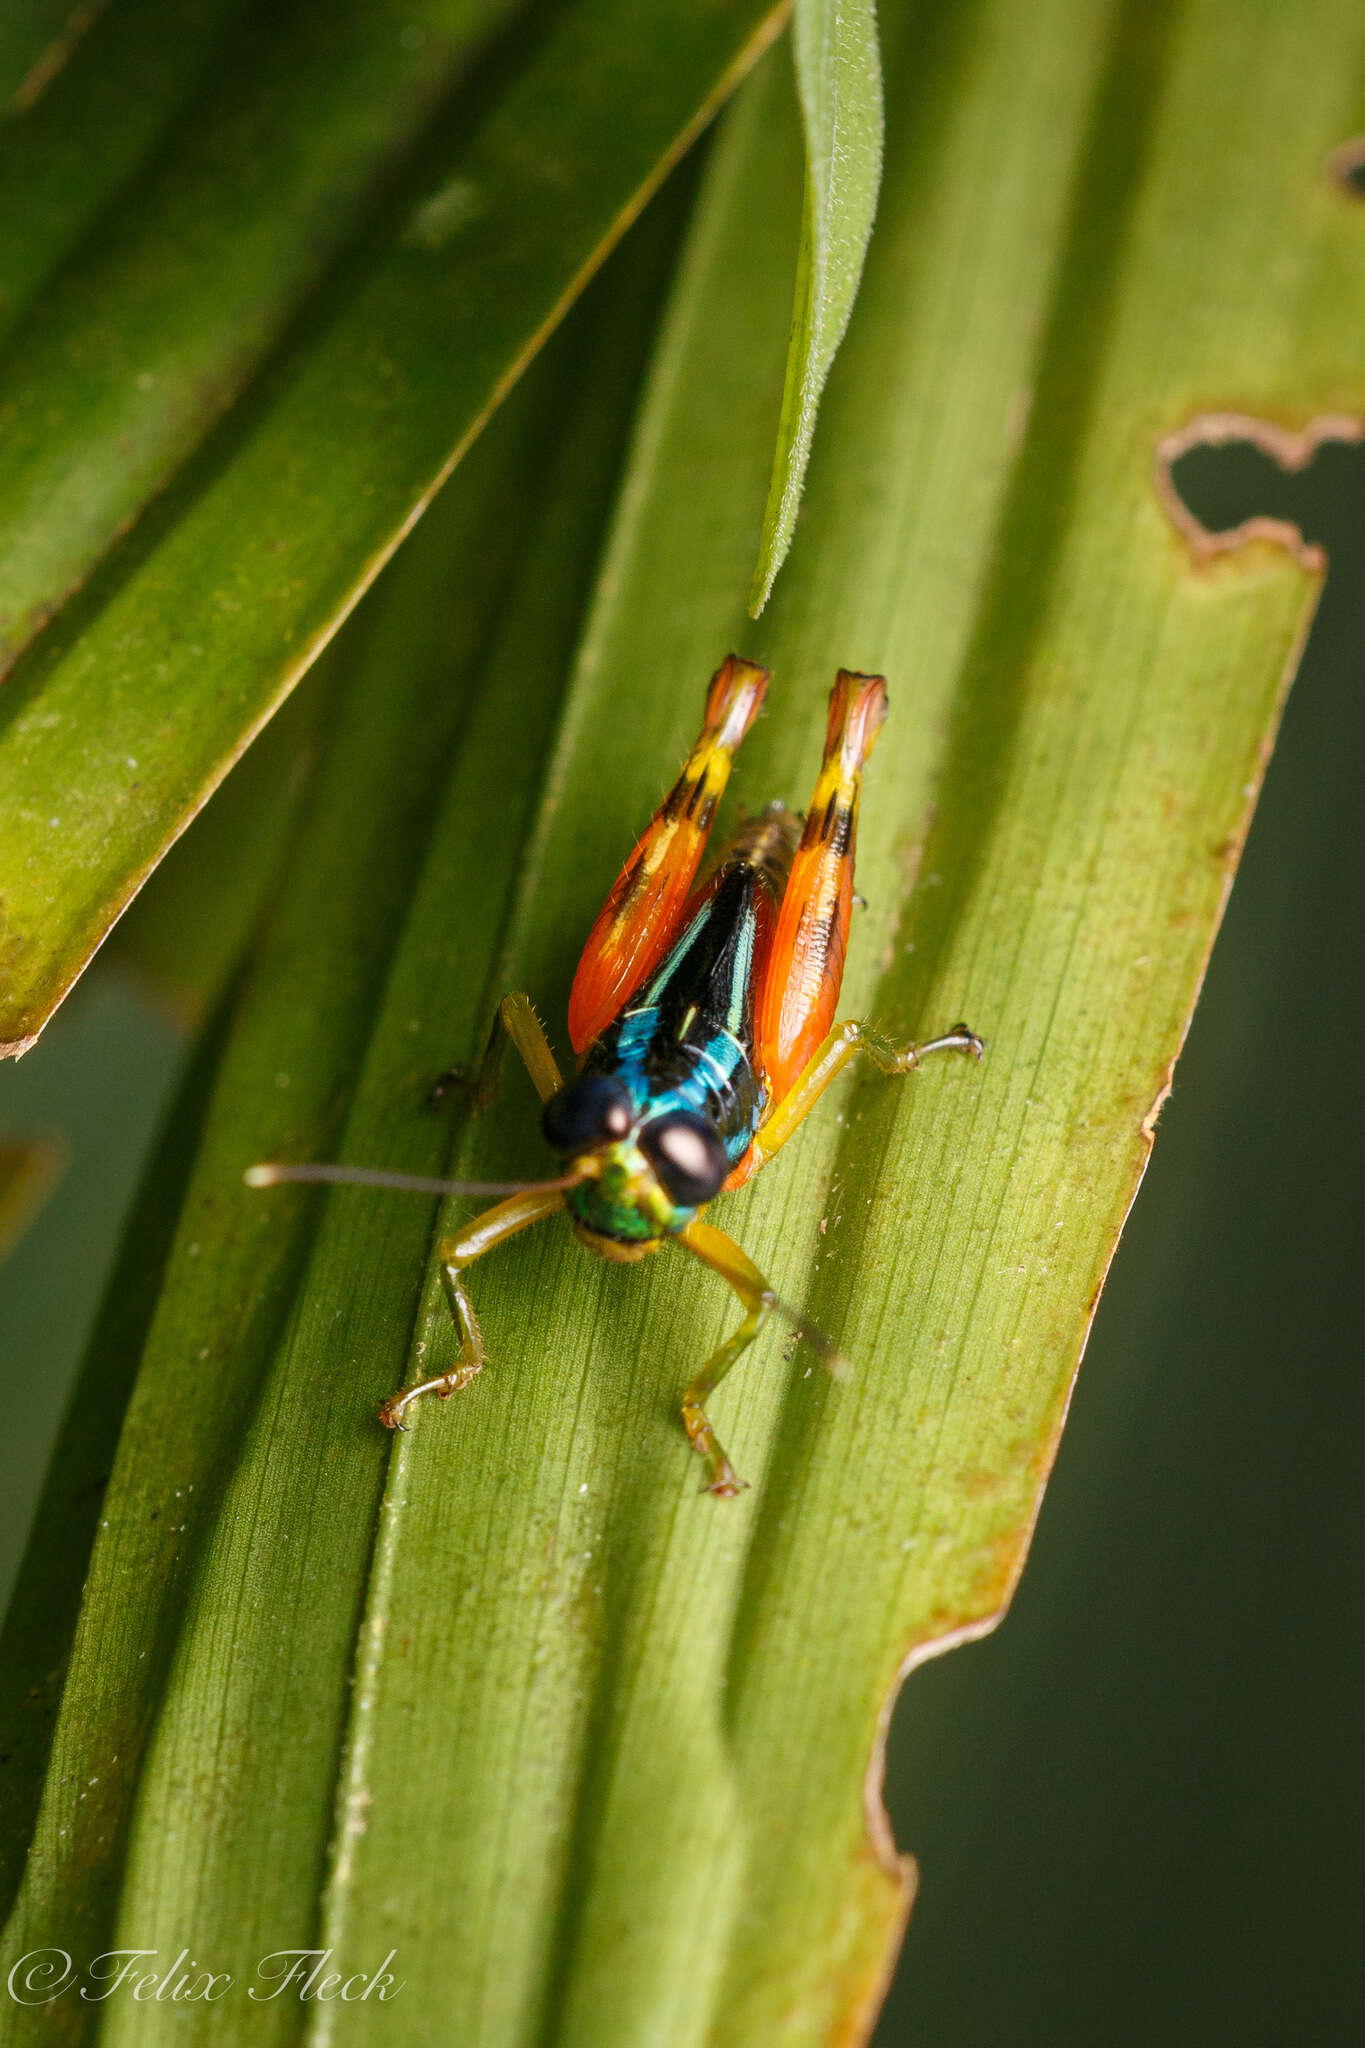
(592, 1110)
(687, 1156)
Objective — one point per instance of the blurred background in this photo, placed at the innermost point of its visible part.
(1137, 1807)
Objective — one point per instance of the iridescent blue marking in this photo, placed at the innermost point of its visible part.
(711, 1077)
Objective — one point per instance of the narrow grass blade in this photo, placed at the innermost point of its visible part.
(839, 85)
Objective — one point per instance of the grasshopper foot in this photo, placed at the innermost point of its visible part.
(392, 1411)
(727, 1484)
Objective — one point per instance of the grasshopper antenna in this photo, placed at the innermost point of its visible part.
(272, 1174)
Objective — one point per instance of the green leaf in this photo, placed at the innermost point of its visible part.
(127, 717)
(143, 340)
(596, 1755)
(185, 935)
(77, 135)
(839, 85)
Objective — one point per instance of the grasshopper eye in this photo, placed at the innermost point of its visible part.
(593, 1110)
(688, 1157)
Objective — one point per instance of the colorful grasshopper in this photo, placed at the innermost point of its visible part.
(704, 1021)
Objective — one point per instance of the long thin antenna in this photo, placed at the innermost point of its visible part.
(271, 1174)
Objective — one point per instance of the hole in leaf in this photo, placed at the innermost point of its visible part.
(1230, 480)
(1346, 167)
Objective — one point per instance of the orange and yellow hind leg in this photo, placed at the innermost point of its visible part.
(800, 1048)
(805, 965)
(843, 1043)
(638, 921)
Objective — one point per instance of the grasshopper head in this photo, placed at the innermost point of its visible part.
(643, 1176)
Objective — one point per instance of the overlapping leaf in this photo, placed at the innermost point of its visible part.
(124, 363)
(115, 734)
(839, 83)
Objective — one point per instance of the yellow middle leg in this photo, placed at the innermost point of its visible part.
(734, 1265)
(455, 1253)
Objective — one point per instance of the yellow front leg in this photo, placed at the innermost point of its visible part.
(455, 1253)
(844, 1041)
(734, 1265)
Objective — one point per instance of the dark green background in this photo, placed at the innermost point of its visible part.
(1138, 1808)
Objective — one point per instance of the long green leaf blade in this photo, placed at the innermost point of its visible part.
(839, 85)
(114, 738)
(728, 1688)
(327, 955)
(329, 935)
(41, 1615)
(69, 152)
(144, 340)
